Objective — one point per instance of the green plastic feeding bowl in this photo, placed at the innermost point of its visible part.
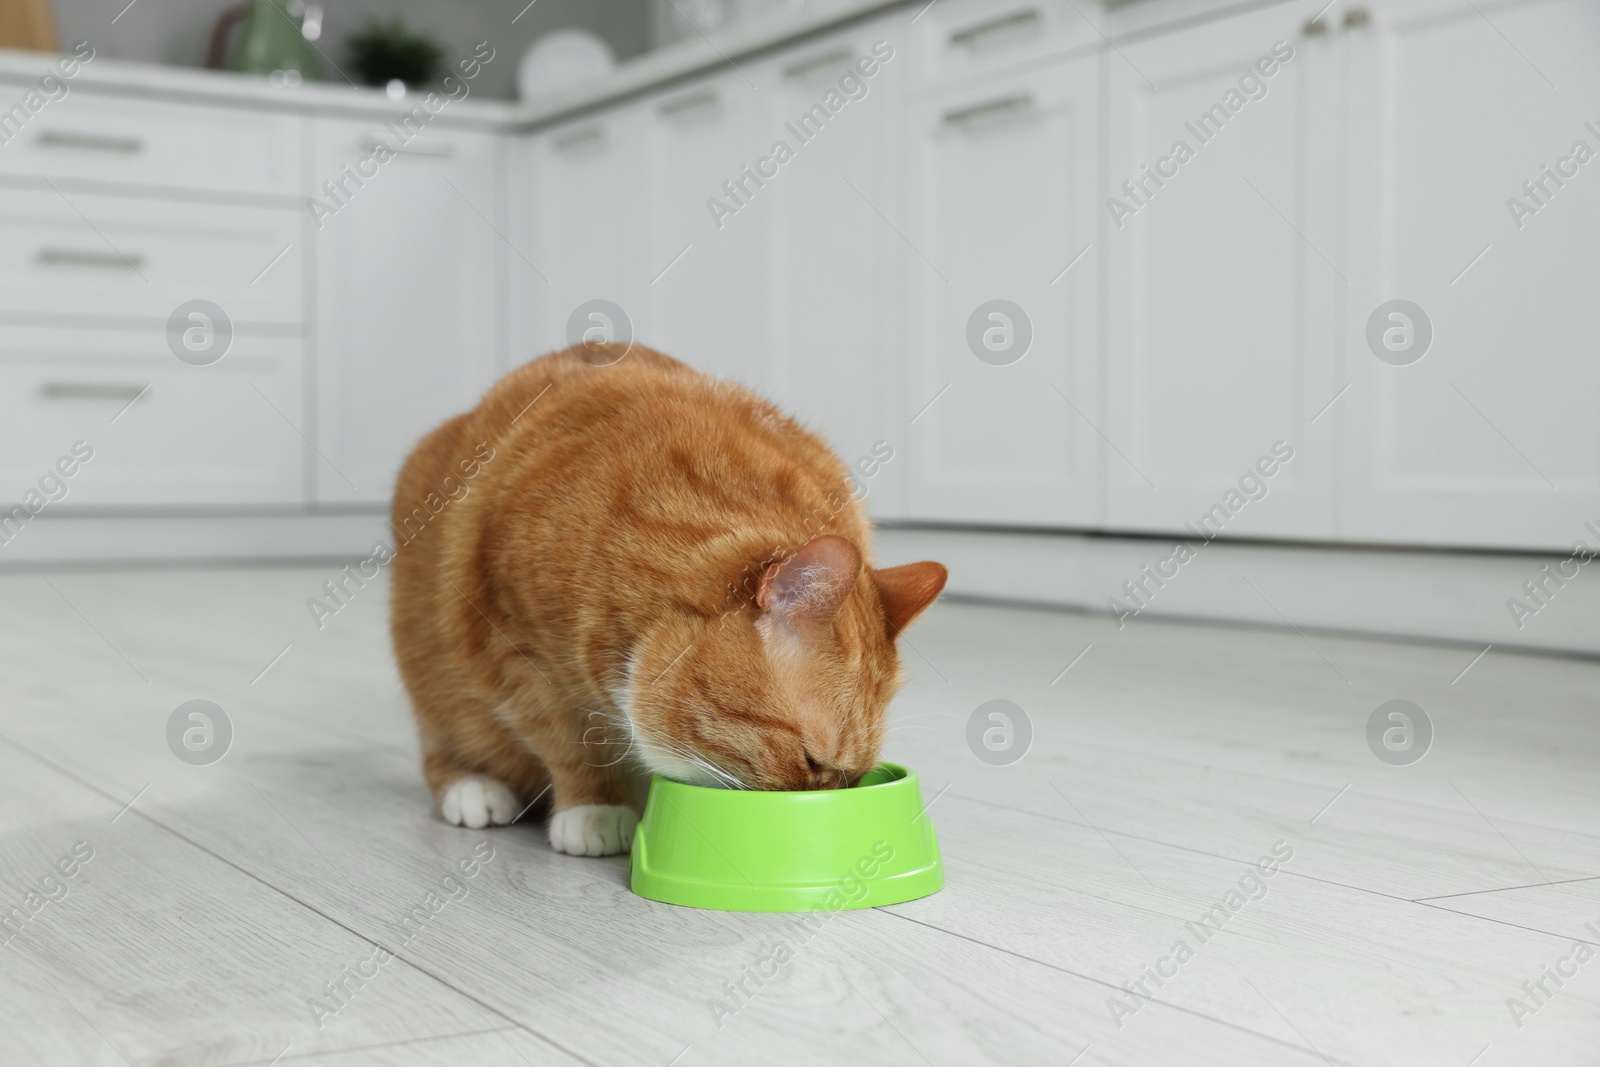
(828, 850)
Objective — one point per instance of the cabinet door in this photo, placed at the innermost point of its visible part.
(406, 290)
(820, 294)
(578, 212)
(697, 293)
(1225, 271)
(1490, 437)
(999, 185)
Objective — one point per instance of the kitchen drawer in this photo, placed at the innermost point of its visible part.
(79, 253)
(144, 142)
(958, 39)
(225, 434)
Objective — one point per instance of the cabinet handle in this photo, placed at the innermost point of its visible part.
(67, 257)
(91, 141)
(1015, 21)
(415, 147)
(1314, 28)
(836, 58)
(574, 138)
(989, 109)
(692, 102)
(1356, 17)
(90, 391)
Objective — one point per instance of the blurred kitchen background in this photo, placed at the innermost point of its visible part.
(1273, 312)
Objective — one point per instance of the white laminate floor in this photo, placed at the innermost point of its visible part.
(227, 911)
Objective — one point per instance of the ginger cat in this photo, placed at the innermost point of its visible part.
(639, 568)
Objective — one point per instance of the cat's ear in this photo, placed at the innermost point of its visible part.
(906, 590)
(808, 588)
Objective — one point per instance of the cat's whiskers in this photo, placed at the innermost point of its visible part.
(718, 774)
(638, 738)
(729, 779)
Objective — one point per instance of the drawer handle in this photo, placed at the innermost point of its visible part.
(836, 58)
(416, 147)
(1015, 21)
(990, 109)
(67, 257)
(576, 138)
(91, 141)
(693, 102)
(91, 391)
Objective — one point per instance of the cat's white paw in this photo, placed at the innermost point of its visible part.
(475, 801)
(593, 830)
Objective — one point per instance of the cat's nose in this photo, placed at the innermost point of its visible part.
(825, 777)
(819, 774)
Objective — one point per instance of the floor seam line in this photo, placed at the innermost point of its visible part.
(1114, 988)
(1504, 922)
(1221, 856)
(1506, 889)
(1281, 780)
(366, 1048)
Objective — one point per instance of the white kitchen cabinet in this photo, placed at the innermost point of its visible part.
(579, 220)
(406, 292)
(1225, 272)
(698, 291)
(998, 200)
(819, 284)
(163, 433)
(1490, 438)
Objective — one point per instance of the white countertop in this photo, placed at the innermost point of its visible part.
(198, 85)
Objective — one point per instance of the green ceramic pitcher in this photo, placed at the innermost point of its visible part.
(273, 39)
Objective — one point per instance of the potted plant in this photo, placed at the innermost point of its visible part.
(387, 52)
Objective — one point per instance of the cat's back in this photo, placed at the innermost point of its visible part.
(652, 438)
(573, 375)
